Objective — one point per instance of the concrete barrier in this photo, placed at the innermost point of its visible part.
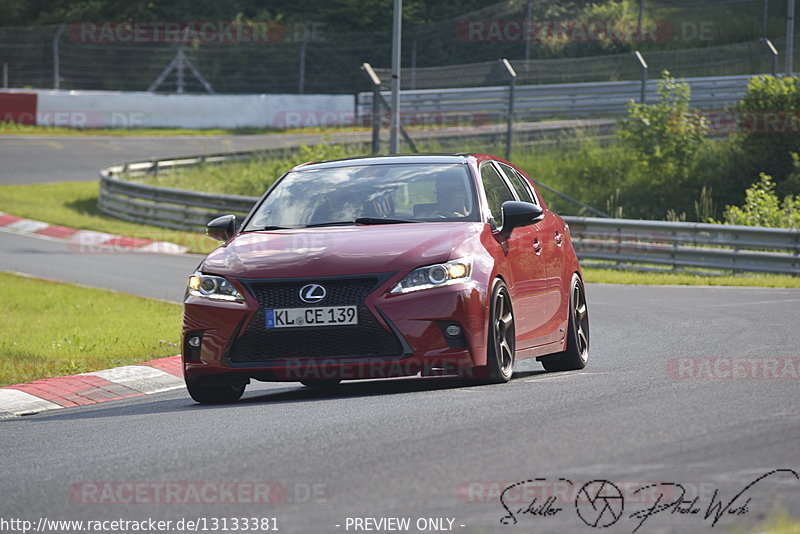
(100, 109)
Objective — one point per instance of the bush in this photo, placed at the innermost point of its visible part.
(665, 136)
(762, 207)
(770, 114)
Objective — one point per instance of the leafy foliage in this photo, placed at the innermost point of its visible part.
(624, 14)
(762, 207)
(770, 113)
(665, 136)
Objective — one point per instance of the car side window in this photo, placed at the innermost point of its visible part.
(497, 191)
(520, 184)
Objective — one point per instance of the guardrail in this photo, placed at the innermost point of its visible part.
(698, 245)
(165, 206)
(682, 244)
(563, 100)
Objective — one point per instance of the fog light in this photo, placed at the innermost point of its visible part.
(194, 341)
(453, 330)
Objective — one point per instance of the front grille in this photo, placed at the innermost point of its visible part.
(260, 344)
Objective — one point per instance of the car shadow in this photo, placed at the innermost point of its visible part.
(362, 388)
(285, 393)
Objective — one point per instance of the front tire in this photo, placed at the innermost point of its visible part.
(219, 393)
(577, 353)
(502, 341)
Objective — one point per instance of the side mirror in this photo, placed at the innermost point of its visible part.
(516, 214)
(222, 228)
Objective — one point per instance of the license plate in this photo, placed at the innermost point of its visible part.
(322, 316)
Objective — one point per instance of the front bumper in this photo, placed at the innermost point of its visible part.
(398, 335)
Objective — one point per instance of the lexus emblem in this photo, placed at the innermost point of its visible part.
(312, 293)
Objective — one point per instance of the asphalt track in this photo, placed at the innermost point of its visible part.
(431, 448)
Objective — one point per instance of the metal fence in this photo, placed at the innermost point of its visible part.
(300, 57)
(682, 244)
(622, 241)
(557, 100)
(751, 57)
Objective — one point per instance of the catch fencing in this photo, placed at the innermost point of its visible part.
(306, 56)
(558, 100)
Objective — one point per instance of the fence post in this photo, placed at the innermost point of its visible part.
(789, 36)
(414, 59)
(301, 84)
(641, 19)
(394, 109)
(376, 110)
(5, 75)
(643, 64)
(179, 70)
(56, 60)
(774, 52)
(525, 33)
(510, 130)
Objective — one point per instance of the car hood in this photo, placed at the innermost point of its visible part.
(337, 251)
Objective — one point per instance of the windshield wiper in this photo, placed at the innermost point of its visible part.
(330, 223)
(361, 221)
(381, 220)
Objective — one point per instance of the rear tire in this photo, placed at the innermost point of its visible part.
(577, 353)
(215, 393)
(501, 341)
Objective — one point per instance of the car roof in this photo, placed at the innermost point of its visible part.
(386, 160)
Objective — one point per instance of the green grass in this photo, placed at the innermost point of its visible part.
(779, 522)
(251, 177)
(53, 329)
(783, 524)
(616, 276)
(74, 204)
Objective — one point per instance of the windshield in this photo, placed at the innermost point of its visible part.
(368, 194)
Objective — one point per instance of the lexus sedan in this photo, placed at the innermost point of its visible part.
(388, 266)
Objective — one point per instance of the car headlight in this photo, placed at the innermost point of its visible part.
(441, 274)
(213, 287)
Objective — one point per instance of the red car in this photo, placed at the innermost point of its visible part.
(387, 266)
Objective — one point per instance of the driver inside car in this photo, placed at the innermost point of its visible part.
(451, 197)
